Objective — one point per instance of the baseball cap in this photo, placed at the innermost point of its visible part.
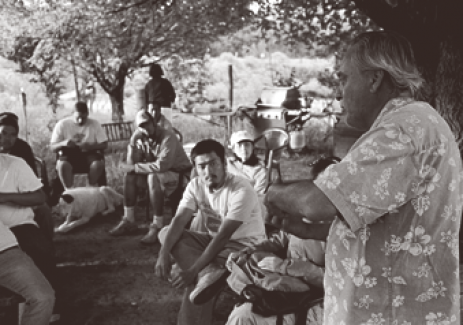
(142, 117)
(240, 136)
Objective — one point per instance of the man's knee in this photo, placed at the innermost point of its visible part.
(97, 164)
(153, 181)
(162, 234)
(63, 165)
(45, 297)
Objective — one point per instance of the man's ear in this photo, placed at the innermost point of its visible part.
(377, 78)
(68, 198)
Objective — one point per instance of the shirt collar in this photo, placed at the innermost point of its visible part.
(393, 105)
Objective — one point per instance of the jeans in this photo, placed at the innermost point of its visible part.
(20, 275)
(40, 249)
(185, 252)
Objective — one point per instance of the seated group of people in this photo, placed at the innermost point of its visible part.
(389, 212)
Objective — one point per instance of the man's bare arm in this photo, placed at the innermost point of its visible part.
(28, 199)
(291, 203)
(179, 222)
(302, 200)
(216, 245)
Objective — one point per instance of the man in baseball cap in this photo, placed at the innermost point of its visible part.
(240, 136)
(156, 156)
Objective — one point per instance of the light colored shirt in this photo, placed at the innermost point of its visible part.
(7, 238)
(305, 257)
(68, 129)
(16, 177)
(235, 200)
(395, 257)
(161, 153)
(255, 174)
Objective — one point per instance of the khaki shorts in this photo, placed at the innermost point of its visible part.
(167, 180)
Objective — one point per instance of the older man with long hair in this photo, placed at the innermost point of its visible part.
(392, 252)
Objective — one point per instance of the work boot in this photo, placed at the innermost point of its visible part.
(151, 237)
(124, 227)
(211, 280)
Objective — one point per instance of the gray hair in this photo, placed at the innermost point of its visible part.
(389, 52)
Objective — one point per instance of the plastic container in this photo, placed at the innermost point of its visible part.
(297, 140)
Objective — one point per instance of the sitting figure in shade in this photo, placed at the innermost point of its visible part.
(79, 142)
(156, 157)
(243, 163)
(231, 209)
(290, 256)
(12, 145)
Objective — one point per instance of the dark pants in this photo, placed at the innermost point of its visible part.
(40, 249)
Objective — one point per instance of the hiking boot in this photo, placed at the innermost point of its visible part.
(210, 281)
(151, 237)
(123, 228)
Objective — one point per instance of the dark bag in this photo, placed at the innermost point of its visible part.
(279, 303)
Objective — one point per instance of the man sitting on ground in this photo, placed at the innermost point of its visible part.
(12, 145)
(20, 275)
(156, 155)
(233, 217)
(292, 256)
(79, 140)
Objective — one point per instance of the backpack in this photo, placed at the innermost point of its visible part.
(279, 303)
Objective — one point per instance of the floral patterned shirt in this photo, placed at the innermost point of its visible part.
(393, 258)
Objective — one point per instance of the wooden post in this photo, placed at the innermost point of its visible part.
(230, 97)
(24, 102)
(76, 82)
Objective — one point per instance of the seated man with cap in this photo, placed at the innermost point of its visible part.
(156, 155)
(79, 140)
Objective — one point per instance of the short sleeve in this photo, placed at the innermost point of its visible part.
(189, 199)
(243, 200)
(377, 176)
(57, 135)
(27, 180)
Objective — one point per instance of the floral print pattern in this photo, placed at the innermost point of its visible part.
(393, 256)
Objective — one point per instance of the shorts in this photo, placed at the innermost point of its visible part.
(79, 160)
(167, 180)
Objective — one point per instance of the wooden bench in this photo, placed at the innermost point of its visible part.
(118, 133)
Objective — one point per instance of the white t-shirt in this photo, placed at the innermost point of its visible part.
(16, 177)
(68, 129)
(235, 200)
(7, 238)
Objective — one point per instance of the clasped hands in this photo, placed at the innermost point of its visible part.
(180, 278)
(84, 146)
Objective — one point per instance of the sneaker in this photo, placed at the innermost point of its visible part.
(151, 237)
(123, 228)
(210, 281)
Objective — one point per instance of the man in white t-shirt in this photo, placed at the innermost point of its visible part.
(232, 214)
(20, 275)
(20, 191)
(79, 140)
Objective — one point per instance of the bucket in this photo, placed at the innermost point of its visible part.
(297, 140)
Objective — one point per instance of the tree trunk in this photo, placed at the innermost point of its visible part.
(448, 86)
(117, 105)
